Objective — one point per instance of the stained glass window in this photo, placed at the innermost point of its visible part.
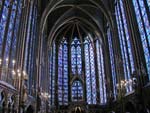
(79, 60)
(10, 19)
(88, 78)
(90, 72)
(101, 73)
(63, 73)
(76, 61)
(10, 29)
(125, 44)
(16, 29)
(144, 28)
(73, 59)
(3, 22)
(76, 64)
(52, 73)
(112, 62)
(77, 91)
(10, 16)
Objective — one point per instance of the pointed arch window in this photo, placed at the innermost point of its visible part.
(76, 62)
(63, 73)
(101, 73)
(10, 29)
(93, 76)
(90, 72)
(112, 62)
(52, 73)
(144, 28)
(125, 43)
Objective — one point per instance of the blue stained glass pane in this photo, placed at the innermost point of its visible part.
(3, 22)
(63, 73)
(53, 74)
(10, 30)
(16, 29)
(87, 72)
(140, 12)
(77, 91)
(121, 34)
(127, 38)
(76, 60)
(50, 71)
(73, 59)
(125, 44)
(60, 74)
(90, 72)
(145, 18)
(79, 60)
(65, 79)
(123, 41)
(93, 76)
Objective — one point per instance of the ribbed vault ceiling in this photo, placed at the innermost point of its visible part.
(66, 18)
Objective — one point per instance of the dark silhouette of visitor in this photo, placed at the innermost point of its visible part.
(30, 109)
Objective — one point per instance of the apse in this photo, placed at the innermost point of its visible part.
(80, 75)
